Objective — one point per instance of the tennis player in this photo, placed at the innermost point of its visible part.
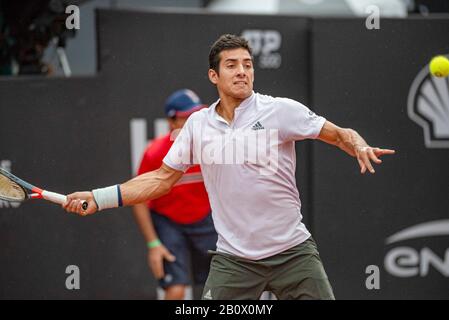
(178, 226)
(262, 243)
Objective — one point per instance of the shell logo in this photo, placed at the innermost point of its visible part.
(428, 106)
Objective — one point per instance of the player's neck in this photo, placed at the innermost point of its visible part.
(226, 107)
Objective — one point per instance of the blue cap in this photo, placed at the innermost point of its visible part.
(182, 103)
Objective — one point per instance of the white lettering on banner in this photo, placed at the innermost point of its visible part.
(405, 262)
(139, 139)
(402, 262)
(265, 44)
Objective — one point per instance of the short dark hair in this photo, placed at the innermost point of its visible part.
(226, 42)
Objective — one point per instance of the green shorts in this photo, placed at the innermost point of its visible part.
(296, 273)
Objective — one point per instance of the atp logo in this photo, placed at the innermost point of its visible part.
(406, 262)
(265, 44)
(428, 106)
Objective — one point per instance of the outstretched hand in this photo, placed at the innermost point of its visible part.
(367, 154)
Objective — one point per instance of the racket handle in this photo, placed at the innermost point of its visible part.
(58, 198)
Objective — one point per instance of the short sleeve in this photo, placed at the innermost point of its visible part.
(179, 157)
(296, 121)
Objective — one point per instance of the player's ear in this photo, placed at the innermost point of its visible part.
(213, 76)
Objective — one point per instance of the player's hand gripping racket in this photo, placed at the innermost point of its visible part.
(14, 189)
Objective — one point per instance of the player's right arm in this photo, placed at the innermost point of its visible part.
(148, 186)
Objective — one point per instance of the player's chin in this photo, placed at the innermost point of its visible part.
(242, 92)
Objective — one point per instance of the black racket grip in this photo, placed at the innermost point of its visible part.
(84, 205)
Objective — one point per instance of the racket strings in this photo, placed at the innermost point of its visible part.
(10, 190)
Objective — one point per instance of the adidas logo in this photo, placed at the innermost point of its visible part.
(208, 295)
(257, 126)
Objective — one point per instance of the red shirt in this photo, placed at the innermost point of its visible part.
(187, 202)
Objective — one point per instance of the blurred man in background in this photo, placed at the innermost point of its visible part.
(177, 226)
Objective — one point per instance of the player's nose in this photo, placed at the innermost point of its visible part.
(240, 69)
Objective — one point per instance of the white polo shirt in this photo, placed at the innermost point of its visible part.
(248, 167)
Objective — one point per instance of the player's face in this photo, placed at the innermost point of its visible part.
(236, 74)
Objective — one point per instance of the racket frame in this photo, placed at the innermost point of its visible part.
(33, 192)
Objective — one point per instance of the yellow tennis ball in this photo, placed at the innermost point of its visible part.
(439, 66)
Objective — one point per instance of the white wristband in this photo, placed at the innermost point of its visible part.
(108, 197)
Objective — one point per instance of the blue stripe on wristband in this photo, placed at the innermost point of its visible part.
(119, 193)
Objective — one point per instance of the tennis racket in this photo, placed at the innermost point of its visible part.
(14, 189)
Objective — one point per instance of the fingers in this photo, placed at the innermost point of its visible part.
(74, 203)
(381, 152)
(156, 258)
(366, 161)
(367, 154)
(373, 156)
(169, 257)
(156, 262)
(75, 206)
(362, 166)
(71, 204)
(67, 204)
(158, 269)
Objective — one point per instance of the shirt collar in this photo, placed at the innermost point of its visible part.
(243, 105)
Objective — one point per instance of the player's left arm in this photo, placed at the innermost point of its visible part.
(352, 143)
